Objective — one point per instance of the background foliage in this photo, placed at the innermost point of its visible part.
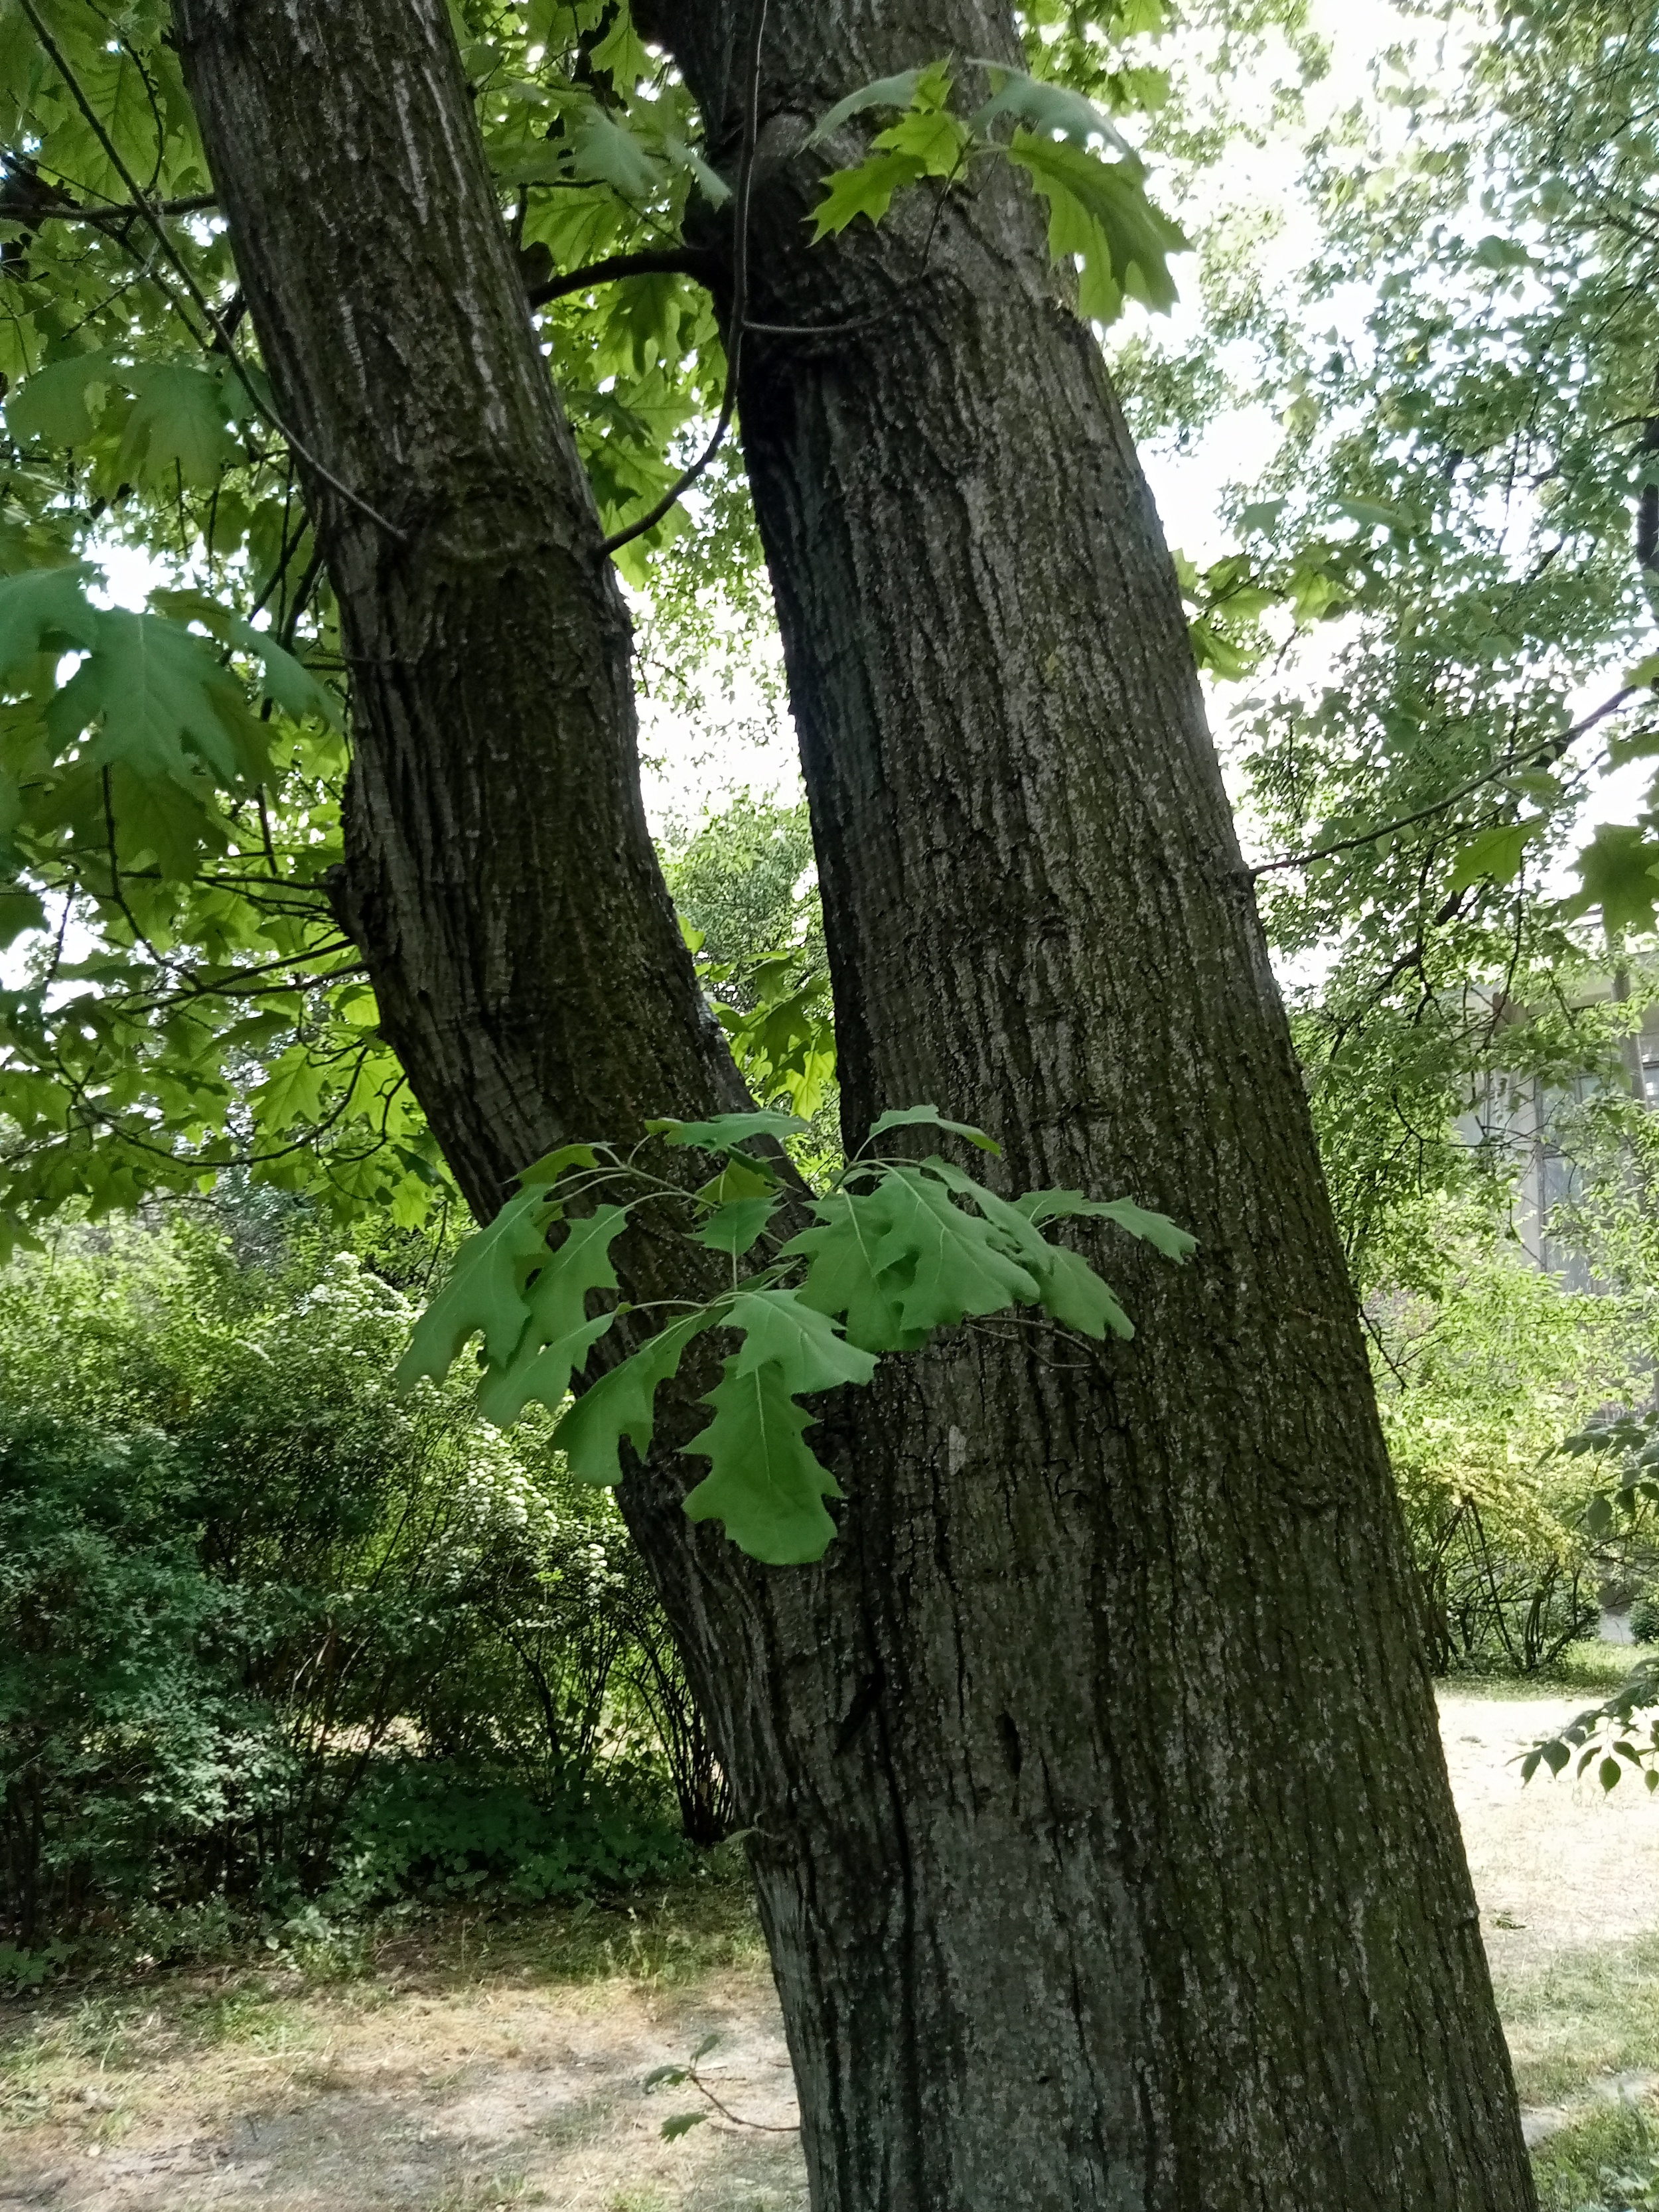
(273, 1632)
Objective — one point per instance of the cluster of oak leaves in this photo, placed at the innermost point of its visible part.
(890, 1257)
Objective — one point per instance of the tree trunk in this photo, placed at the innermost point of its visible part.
(526, 960)
(1102, 1835)
(1166, 1903)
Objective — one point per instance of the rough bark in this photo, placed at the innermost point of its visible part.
(1103, 1838)
(527, 963)
(1165, 1903)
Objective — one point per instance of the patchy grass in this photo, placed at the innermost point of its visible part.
(451, 2065)
(468, 2063)
(1589, 1669)
(1604, 2159)
(1584, 2017)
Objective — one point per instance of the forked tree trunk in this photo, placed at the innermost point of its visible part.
(1103, 1834)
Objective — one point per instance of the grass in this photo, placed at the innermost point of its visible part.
(495, 2192)
(1605, 2158)
(1589, 1669)
(411, 2018)
(104, 2051)
(1588, 2015)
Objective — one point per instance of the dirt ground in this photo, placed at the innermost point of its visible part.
(514, 2077)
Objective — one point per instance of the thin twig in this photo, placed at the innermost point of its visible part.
(879, 314)
(1553, 751)
(764, 2127)
(77, 93)
(23, 212)
(670, 498)
(116, 893)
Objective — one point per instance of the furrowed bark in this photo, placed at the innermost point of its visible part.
(1102, 1836)
(1123, 1868)
(499, 873)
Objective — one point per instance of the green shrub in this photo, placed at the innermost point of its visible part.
(440, 1828)
(268, 1630)
(1478, 1386)
(123, 1735)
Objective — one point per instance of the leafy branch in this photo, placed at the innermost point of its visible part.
(681, 2124)
(672, 497)
(1622, 1731)
(153, 218)
(1099, 214)
(898, 1250)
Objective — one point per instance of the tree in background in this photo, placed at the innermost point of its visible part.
(1460, 507)
(1101, 1832)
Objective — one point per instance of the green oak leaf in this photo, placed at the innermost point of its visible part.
(44, 607)
(55, 405)
(604, 151)
(552, 1165)
(1047, 109)
(844, 1277)
(1077, 1297)
(1099, 211)
(1067, 1287)
(929, 1117)
(762, 1482)
(624, 1404)
(178, 421)
(485, 1291)
(163, 705)
(1618, 871)
(288, 682)
(948, 1263)
(544, 1374)
(557, 1333)
(932, 137)
(780, 1329)
(930, 84)
(713, 185)
(20, 911)
(867, 190)
(724, 1130)
(739, 1180)
(1156, 1228)
(736, 1226)
(1496, 854)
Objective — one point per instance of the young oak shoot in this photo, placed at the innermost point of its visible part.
(1099, 214)
(897, 1250)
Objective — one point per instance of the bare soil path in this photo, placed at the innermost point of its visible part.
(502, 2066)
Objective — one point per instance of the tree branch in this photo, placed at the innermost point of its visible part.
(31, 212)
(1551, 752)
(672, 497)
(663, 261)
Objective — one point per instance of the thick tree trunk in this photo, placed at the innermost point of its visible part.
(1101, 1829)
(1139, 1881)
(528, 969)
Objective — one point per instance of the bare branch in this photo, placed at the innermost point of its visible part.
(663, 261)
